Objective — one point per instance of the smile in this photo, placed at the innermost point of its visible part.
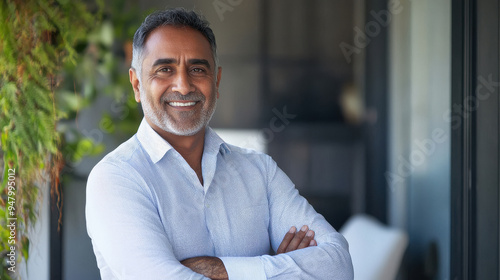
(182, 104)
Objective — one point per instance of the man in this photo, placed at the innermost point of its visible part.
(176, 202)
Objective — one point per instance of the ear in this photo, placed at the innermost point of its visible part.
(219, 74)
(134, 80)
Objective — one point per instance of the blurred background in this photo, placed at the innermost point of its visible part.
(382, 108)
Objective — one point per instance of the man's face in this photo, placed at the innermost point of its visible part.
(179, 83)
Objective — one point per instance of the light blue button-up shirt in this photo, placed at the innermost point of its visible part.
(146, 211)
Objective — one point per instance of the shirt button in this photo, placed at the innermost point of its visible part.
(207, 205)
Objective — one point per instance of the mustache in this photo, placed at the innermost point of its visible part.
(176, 96)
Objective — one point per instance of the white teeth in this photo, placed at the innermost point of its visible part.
(182, 104)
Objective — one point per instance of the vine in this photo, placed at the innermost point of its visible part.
(37, 38)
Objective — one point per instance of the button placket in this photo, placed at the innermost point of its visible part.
(209, 219)
(193, 178)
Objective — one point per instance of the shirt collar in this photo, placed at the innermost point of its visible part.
(157, 147)
(215, 144)
(152, 142)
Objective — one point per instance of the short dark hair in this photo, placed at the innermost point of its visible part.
(174, 17)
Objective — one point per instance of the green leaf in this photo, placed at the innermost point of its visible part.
(107, 124)
(106, 34)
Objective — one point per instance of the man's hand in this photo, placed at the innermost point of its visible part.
(294, 240)
(211, 267)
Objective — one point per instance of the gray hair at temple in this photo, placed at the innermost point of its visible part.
(174, 17)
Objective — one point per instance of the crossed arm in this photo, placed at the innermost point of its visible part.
(131, 206)
(213, 267)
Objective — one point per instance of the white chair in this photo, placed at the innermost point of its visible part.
(376, 250)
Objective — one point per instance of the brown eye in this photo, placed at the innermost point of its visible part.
(164, 69)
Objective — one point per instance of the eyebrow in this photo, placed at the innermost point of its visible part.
(195, 61)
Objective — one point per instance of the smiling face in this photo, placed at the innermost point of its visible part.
(179, 84)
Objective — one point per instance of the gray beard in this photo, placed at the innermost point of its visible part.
(162, 120)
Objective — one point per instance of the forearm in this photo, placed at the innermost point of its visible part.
(211, 267)
(328, 260)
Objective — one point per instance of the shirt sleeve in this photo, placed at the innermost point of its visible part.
(126, 231)
(329, 260)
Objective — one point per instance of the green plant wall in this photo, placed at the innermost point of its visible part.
(56, 58)
(37, 38)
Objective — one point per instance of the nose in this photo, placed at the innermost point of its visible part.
(182, 83)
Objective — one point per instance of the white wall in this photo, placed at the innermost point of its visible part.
(420, 80)
(38, 263)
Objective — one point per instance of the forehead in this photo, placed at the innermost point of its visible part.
(175, 42)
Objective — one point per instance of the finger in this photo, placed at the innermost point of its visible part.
(313, 243)
(307, 239)
(286, 240)
(294, 244)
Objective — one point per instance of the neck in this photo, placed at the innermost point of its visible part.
(186, 145)
(189, 147)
